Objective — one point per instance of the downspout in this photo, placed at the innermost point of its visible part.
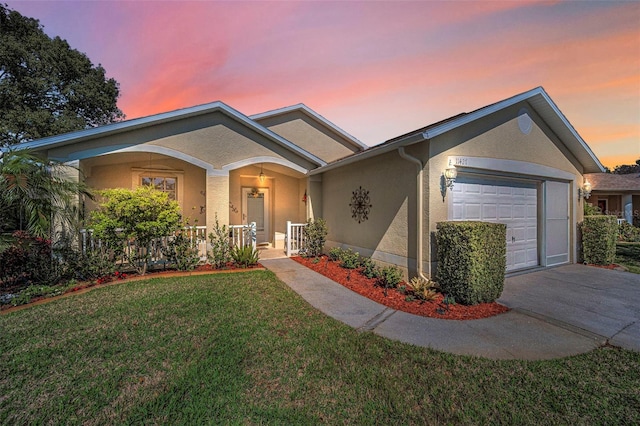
(419, 203)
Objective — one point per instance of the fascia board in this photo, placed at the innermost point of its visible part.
(139, 123)
(371, 152)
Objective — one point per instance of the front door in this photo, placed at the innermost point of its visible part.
(255, 208)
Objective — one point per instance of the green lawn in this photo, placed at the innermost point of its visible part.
(245, 349)
(628, 255)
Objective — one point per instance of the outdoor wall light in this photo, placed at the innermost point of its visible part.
(585, 191)
(450, 175)
(261, 176)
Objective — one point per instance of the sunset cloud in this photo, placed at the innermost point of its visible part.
(376, 69)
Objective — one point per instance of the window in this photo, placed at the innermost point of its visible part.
(161, 183)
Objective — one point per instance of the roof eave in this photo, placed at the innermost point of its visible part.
(139, 123)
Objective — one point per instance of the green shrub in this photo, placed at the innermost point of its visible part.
(335, 254)
(389, 277)
(28, 261)
(315, 235)
(599, 235)
(628, 233)
(245, 256)
(220, 253)
(471, 260)
(349, 259)
(369, 268)
(591, 210)
(182, 251)
(141, 215)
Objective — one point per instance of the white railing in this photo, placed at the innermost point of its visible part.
(197, 236)
(243, 235)
(621, 221)
(294, 238)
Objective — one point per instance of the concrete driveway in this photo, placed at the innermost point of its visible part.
(581, 298)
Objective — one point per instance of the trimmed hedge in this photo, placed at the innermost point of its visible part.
(599, 235)
(471, 260)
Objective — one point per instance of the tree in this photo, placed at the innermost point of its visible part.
(34, 191)
(139, 216)
(46, 87)
(625, 169)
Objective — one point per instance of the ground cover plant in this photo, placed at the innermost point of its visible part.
(628, 255)
(245, 349)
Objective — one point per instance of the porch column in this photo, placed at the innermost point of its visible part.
(314, 197)
(627, 207)
(217, 199)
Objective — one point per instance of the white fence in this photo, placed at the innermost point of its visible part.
(239, 235)
(243, 235)
(294, 238)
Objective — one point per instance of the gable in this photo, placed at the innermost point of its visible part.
(212, 134)
(311, 132)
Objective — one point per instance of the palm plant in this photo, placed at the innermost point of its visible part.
(33, 192)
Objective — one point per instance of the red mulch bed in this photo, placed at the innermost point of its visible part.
(132, 276)
(355, 281)
(611, 266)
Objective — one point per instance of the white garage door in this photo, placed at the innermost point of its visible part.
(512, 203)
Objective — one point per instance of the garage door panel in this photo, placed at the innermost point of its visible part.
(503, 203)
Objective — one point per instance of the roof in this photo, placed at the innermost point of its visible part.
(315, 116)
(165, 117)
(536, 98)
(614, 182)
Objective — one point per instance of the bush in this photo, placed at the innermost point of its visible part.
(599, 235)
(628, 233)
(591, 210)
(349, 259)
(245, 256)
(141, 215)
(315, 235)
(220, 253)
(182, 252)
(335, 254)
(471, 260)
(369, 268)
(28, 261)
(389, 277)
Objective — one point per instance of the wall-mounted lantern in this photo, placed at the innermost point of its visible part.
(585, 191)
(450, 175)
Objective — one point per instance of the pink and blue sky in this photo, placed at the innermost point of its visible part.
(375, 69)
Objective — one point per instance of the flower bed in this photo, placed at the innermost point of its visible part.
(10, 301)
(355, 281)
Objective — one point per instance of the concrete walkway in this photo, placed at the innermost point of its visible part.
(554, 313)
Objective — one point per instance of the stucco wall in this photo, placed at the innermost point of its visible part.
(388, 235)
(213, 138)
(284, 192)
(116, 171)
(309, 135)
(499, 137)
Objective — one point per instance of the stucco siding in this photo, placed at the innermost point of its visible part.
(309, 135)
(284, 194)
(120, 171)
(389, 231)
(214, 138)
(500, 138)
